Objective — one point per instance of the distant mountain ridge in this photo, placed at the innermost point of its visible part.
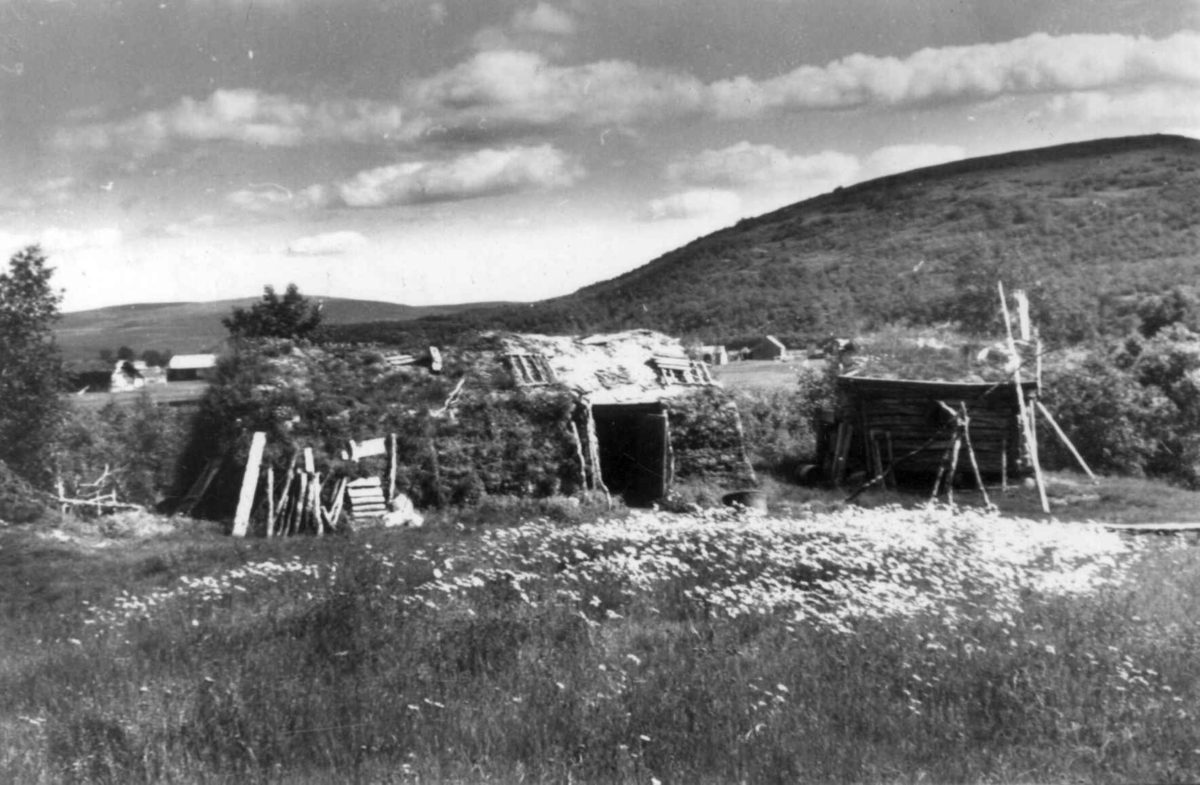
(1080, 225)
(190, 327)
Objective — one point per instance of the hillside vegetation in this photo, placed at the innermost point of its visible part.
(187, 327)
(1086, 228)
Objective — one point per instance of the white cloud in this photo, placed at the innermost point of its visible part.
(481, 173)
(327, 244)
(244, 116)
(522, 88)
(1159, 106)
(272, 198)
(696, 203)
(903, 157)
(1037, 63)
(544, 18)
(57, 240)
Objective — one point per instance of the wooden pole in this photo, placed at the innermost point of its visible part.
(955, 448)
(309, 463)
(1061, 435)
(339, 496)
(270, 500)
(937, 481)
(297, 523)
(1004, 465)
(971, 454)
(282, 505)
(392, 462)
(583, 468)
(241, 521)
(1030, 438)
(314, 489)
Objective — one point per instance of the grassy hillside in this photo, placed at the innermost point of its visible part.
(1082, 226)
(196, 327)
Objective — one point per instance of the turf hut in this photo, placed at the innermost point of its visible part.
(642, 415)
(500, 414)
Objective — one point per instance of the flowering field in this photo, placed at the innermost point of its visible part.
(881, 645)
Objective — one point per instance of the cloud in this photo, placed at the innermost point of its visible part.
(1159, 106)
(544, 18)
(1035, 64)
(327, 244)
(245, 116)
(272, 198)
(903, 157)
(761, 164)
(516, 88)
(481, 173)
(57, 240)
(696, 203)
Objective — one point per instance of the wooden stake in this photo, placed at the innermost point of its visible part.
(1061, 435)
(315, 491)
(392, 463)
(1004, 465)
(937, 481)
(296, 525)
(241, 521)
(1030, 438)
(583, 467)
(955, 447)
(282, 505)
(270, 500)
(335, 511)
(971, 454)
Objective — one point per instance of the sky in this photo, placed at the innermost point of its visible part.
(481, 150)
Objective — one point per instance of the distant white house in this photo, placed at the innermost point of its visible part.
(190, 367)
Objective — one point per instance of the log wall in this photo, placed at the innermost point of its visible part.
(908, 415)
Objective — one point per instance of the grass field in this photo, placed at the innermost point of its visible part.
(822, 643)
(763, 374)
(173, 394)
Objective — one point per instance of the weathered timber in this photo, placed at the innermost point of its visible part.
(241, 521)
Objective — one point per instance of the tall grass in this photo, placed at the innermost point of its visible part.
(864, 646)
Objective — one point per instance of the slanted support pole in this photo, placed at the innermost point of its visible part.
(1061, 435)
(241, 521)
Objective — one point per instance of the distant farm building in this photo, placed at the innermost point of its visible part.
(713, 355)
(134, 375)
(769, 348)
(191, 367)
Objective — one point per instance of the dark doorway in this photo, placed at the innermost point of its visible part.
(635, 447)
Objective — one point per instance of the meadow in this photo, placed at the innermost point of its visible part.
(933, 644)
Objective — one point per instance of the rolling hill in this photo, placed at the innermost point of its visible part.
(1085, 227)
(185, 328)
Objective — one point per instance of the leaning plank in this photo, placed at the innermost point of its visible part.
(241, 521)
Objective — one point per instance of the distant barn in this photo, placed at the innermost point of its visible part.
(769, 348)
(191, 367)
